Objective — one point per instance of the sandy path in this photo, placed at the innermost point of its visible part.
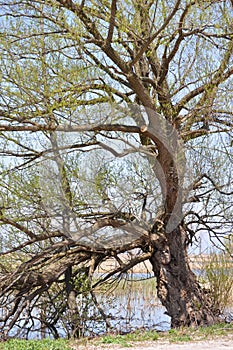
(221, 343)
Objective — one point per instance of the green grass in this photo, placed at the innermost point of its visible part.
(127, 340)
(118, 339)
(189, 334)
(175, 336)
(215, 330)
(46, 344)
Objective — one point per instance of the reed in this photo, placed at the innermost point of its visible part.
(217, 276)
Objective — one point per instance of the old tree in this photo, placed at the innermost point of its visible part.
(116, 138)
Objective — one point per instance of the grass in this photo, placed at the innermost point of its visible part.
(127, 340)
(46, 344)
(175, 336)
(201, 333)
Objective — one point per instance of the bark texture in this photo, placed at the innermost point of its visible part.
(178, 289)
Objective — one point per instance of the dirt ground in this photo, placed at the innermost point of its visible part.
(220, 343)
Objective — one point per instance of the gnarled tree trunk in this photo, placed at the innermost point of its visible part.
(186, 302)
(178, 289)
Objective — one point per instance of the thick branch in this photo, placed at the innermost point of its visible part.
(69, 128)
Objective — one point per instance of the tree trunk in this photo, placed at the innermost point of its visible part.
(74, 320)
(43, 322)
(178, 289)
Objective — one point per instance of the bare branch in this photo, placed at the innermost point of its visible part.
(71, 128)
(111, 22)
(152, 38)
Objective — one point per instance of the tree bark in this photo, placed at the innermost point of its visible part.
(74, 320)
(178, 289)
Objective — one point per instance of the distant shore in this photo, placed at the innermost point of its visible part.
(197, 262)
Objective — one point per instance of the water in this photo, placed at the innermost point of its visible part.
(128, 304)
(134, 304)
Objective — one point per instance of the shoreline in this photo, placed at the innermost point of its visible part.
(197, 262)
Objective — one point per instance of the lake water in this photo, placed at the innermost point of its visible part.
(135, 305)
(129, 304)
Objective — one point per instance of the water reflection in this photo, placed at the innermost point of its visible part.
(128, 304)
(134, 304)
